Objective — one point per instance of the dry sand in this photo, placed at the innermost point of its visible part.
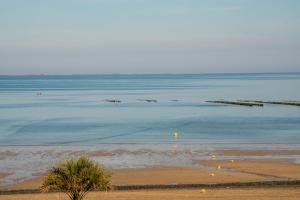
(286, 193)
(160, 175)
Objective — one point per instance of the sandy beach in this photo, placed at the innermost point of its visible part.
(229, 171)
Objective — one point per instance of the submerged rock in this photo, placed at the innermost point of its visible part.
(148, 100)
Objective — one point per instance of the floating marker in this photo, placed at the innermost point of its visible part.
(213, 157)
(219, 167)
(232, 161)
(175, 135)
(202, 190)
(212, 174)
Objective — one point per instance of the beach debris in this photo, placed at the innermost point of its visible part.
(148, 100)
(151, 100)
(232, 161)
(202, 190)
(212, 174)
(241, 103)
(219, 167)
(175, 135)
(113, 100)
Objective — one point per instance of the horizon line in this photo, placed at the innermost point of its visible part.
(204, 73)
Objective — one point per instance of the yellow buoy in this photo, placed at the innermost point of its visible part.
(219, 167)
(213, 157)
(202, 190)
(212, 174)
(232, 161)
(175, 135)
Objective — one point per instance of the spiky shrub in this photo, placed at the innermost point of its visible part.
(76, 177)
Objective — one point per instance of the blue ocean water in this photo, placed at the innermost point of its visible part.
(71, 110)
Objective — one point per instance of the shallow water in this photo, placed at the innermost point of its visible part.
(73, 110)
(47, 118)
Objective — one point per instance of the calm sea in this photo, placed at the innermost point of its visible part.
(44, 119)
(72, 110)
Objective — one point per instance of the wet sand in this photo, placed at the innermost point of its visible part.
(286, 193)
(274, 169)
(253, 152)
(178, 175)
(3, 175)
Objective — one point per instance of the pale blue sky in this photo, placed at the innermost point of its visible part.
(149, 36)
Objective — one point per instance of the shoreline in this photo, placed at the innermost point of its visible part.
(239, 172)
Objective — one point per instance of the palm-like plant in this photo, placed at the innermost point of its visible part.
(76, 177)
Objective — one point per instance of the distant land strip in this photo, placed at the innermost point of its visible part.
(294, 183)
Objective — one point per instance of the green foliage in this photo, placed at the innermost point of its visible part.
(76, 177)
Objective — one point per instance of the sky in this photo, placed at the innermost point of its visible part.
(149, 36)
